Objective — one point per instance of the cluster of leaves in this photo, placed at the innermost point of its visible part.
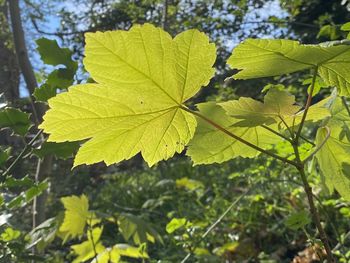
(141, 103)
(123, 117)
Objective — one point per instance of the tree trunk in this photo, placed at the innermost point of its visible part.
(44, 167)
(9, 71)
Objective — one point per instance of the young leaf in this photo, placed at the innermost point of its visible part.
(277, 104)
(63, 150)
(86, 250)
(143, 78)
(129, 251)
(16, 120)
(4, 156)
(210, 145)
(175, 224)
(133, 227)
(52, 54)
(109, 255)
(75, 216)
(44, 92)
(333, 159)
(265, 57)
(298, 220)
(278, 107)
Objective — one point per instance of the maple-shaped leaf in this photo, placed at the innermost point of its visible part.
(75, 216)
(334, 162)
(87, 249)
(277, 104)
(334, 156)
(143, 78)
(210, 145)
(278, 107)
(266, 57)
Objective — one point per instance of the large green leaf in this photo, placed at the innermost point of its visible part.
(211, 145)
(265, 57)
(143, 77)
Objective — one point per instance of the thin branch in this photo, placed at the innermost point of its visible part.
(282, 22)
(307, 140)
(287, 127)
(315, 215)
(307, 105)
(312, 208)
(318, 146)
(236, 137)
(59, 34)
(19, 157)
(276, 132)
(212, 226)
(92, 240)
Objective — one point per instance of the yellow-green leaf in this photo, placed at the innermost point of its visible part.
(143, 78)
(333, 157)
(278, 107)
(87, 249)
(334, 162)
(210, 145)
(266, 57)
(75, 216)
(277, 104)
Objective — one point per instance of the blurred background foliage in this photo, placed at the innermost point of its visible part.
(157, 214)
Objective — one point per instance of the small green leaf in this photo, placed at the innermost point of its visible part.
(12, 182)
(9, 234)
(63, 150)
(298, 220)
(44, 92)
(75, 216)
(278, 108)
(133, 227)
(109, 255)
(277, 104)
(16, 202)
(52, 54)
(35, 191)
(15, 119)
(130, 251)
(86, 250)
(331, 32)
(189, 184)
(61, 78)
(4, 156)
(346, 27)
(175, 224)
